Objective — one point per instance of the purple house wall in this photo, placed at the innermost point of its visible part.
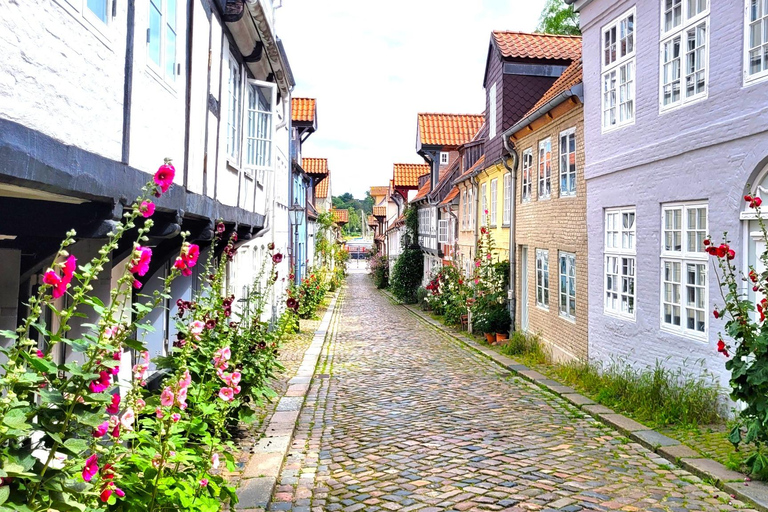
(701, 154)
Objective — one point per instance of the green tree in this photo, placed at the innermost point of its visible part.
(559, 18)
(409, 267)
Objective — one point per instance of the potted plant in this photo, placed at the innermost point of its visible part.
(481, 323)
(499, 322)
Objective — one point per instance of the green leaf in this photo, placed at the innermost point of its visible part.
(134, 344)
(5, 492)
(17, 419)
(56, 437)
(51, 396)
(77, 345)
(41, 364)
(11, 335)
(735, 436)
(76, 446)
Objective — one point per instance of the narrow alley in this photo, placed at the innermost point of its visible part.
(401, 417)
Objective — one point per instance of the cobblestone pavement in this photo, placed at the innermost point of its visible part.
(401, 418)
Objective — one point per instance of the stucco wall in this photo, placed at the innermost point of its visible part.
(499, 232)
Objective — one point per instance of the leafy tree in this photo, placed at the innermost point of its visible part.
(409, 267)
(559, 18)
(347, 201)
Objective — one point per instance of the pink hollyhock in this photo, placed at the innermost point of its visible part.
(190, 253)
(203, 482)
(40, 354)
(236, 390)
(215, 461)
(196, 329)
(234, 379)
(140, 404)
(101, 430)
(179, 264)
(166, 397)
(226, 394)
(51, 278)
(186, 380)
(111, 331)
(127, 420)
(147, 209)
(181, 398)
(175, 417)
(159, 413)
(137, 284)
(141, 259)
(119, 492)
(114, 407)
(164, 177)
(91, 468)
(98, 386)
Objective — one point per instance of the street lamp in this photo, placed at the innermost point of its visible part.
(296, 213)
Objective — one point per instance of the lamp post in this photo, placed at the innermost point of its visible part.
(297, 217)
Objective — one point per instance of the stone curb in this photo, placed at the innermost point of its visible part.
(670, 449)
(259, 477)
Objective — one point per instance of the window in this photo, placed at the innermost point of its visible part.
(568, 162)
(234, 95)
(161, 37)
(98, 8)
(620, 262)
(492, 112)
(464, 210)
(542, 278)
(756, 43)
(494, 200)
(545, 168)
(444, 158)
(471, 202)
(568, 285)
(442, 231)
(507, 215)
(527, 178)
(618, 71)
(258, 149)
(684, 269)
(684, 56)
(484, 203)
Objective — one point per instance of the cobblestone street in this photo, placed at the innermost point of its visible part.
(400, 417)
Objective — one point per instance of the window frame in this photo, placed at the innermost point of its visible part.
(544, 174)
(527, 176)
(570, 292)
(620, 253)
(484, 203)
(542, 278)
(445, 157)
(506, 216)
(493, 211)
(683, 258)
(249, 167)
(567, 133)
(442, 231)
(492, 114)
(80, 11)
(751, 79)
(614, 67)
(159, 69)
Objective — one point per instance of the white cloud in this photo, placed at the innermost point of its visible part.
(374, 65)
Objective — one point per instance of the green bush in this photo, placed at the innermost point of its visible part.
(526, 346)
(379, 266)
(409, 267)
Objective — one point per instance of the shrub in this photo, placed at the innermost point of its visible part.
(526, 345)
(309, 294)
(409, 268)
(379, 267)
(421, 298)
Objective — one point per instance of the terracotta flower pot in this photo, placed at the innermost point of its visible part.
(501, 336)
(490, 337)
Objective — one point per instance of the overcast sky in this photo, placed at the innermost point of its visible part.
(373, 65)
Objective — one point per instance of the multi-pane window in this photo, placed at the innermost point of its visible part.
(507, 216)
(527, 175)
(444, 157)
(620, 254)
(684, 269)
(494, 200)
(492, 112)
(161, 39)
(98, 8)
(471, 209)
(568, 162)
(484, 203)
(684, 55)
(234, 99)
(756, 33)
(568, 285)
(618, 71)
(258, 149)
(464, 210)
(545, 168)
(542, 278)
(442, 231)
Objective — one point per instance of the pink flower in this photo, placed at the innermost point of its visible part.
(224, 354)
(186, 380)
(127, 420)
(175, 417)
(277, 258)
(181, 398)
(140, 404)
(140, 262)
(147, 209)
(215, 461)
(234, 379)
(40, 354)
(226, 394)
(196, 329)
(189, 254)
(119, 492)
(137, 284)
(105, 380)
(59, 284)
(159, 413)
(203, 482)
(114, 422)
(166, 397)
(111, 331)
(114, 407)
(164, 177)
(91, 468)
(101, 430)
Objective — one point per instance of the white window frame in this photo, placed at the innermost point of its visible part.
(567, 273)
(159, 68)
(85, 16)
(255, 161)
(526, 189)
(493, 212)
(620, 264)
(545, 169)
(492, 112)
(472, 219)
(613, 72)
(484, 203)
(542, 279)
(687, 23)
(442, 231)
(464, 210)
(564, 170)
(234, 114)
(506, 218)
(444, 157)
(750, 79)
(690, 253)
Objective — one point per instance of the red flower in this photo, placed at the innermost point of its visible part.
(147, 209)
(140, 262)
(747, 198)
(753, 276)
(220, 227)
(722, 251)
(164, 177)
(707, 241)
(731, 254)
(716, 313)
(721, 348)
(271, 246)
(292, 303)
(114, 407)
(277, 258)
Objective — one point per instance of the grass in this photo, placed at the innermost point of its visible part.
(525, 347)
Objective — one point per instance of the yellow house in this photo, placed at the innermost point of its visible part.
(493, 206)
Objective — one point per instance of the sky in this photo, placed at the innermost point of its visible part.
(374, 65)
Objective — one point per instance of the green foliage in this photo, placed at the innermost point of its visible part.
(347, 202)
(528, 347)
(559, 18)
(409, 267)
(447, 294)
(490, 288)
(310, 293)
(379, 266)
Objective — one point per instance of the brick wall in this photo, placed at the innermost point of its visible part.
(556, 224)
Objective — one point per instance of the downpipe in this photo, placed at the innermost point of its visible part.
(512, 155)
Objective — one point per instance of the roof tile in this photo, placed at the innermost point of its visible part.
(407, 175)
(423, 191)
(379, 191)
(303, 109)
(451, 195)
(321, 189)
(537, 46)
(315, 165)
(379, 211)
(449, 129)
(477, 165)
(340, 216)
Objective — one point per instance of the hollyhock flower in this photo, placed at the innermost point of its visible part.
(190, 254)
(292, 303)
(277, 258)
(236, 390)
(100, 385)
(186, 380)
(175, 417)
(105, 494)
(147, 209)
(731, 254)
(40, 354)
(234, 379)
(51, 278)
(753, 276)
(707, 241)
(114, 407)
(159, 413)
(196, 329)
(101, 430)
(127, 420)
(203, 482)
(226, 394)
(140, 404)
(223, 354)
(114, 422)
(111, 331)
(271, 246)
(91, 468)
(137, 284)
(166, 397)
(220, 228)
(179, 264)
(234, 237)
(716, 314)
(477, 263)
(119, 492)
(181, 398)
(140, 262)
(210, 323)
(215, 461)
(164, 177)
(722, 348)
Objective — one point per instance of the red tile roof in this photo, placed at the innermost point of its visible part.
(451, 195)
(340, 216)
(423, 191)
(303, 109)
(315, 165)
(570, 77)
(321, 189)
(477, 165)
(379, 191)
(407, 175)
(537, 46)
(379, 211)
(372, 222)
(448, 129)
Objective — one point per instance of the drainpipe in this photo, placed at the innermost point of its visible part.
(128, 83)
(512, 154)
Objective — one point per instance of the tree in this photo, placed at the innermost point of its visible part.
(409, 267)
(559, 18)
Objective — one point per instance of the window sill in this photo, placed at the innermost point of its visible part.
(567, 196)
(684, 103)
(619, 316)
(755, 79)
(701, 337)
(568, 318)
(616, 127)
(153, 73)
(542, 308)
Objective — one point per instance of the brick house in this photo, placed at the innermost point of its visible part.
(550, 218)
